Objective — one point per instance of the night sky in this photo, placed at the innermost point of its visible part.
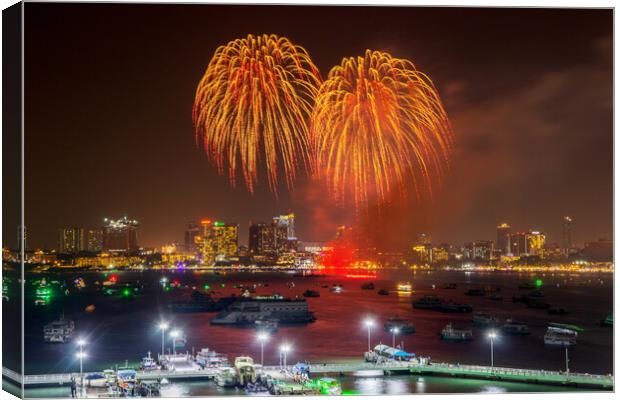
(109, 92)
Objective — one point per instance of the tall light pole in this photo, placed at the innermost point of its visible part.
(395, 331)
(174, 334)
(492, 335)
(369, 323)
(566, 358)
(80, 355)
(262, 338)
(285, 348)
(163, 326)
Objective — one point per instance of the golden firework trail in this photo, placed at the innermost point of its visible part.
(379, 127)
(254, 103)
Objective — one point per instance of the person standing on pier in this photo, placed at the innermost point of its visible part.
(73, 387)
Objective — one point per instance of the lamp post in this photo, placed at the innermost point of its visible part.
(395, 331)
(285, 348)
(262, 338)
(492, 335)
(163, 326)
(80, 355)
(567, 360)
(369, 323)
(174, 334)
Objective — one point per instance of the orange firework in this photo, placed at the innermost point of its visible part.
(254, 102)
(378, 127)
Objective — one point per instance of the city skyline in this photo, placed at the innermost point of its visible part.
(511, 164)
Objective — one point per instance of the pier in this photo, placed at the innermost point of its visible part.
(603, 382)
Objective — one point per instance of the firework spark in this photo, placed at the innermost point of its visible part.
(378, 127)
(254, 102)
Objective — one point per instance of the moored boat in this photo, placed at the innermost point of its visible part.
(59, 331)
(556, 336)
(404, 287)
(383, 292)
(482, 319)
(210, 359)
(226, 377)
(368, 286)
(404, 327)
(451, 307)
(450, 333)
(311, 293)
(428, 303)
(511, 327)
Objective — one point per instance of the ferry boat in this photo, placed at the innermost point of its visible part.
(59, 331)
(210, 359)
(404, 287)
(266, 325)
(277, 308)
(511, 327)
(311, 293)
(404, 327)
(148, 363)
(428, 303)
(481, 319)
(383, 292)
(560, 337)
(450, 333)
(226, 377)
(451, 307)
(244, 367)
(368, 286)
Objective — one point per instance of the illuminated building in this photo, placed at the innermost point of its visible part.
(261, 241)
(120, 235)
(422, 253)
(107, 260)
(314, 247)
(220, 241)
(286, 222)
(481, 250)
(94, 240)
(22, 238)
(71, 240)
(527, 243)
(190, 241)
(503, 238)
(567, 239)
(424, 238)
(284, 233)
(601, 250)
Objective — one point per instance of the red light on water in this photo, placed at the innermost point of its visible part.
(361, 276)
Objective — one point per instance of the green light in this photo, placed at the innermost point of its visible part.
(207, 287)
(223, 285)
(538, 282)
(218, 223)
(167, 288)
(126, 292)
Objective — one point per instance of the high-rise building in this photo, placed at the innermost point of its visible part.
(191, 235)
(567, 239)
(287, 224)
(71, 240)
(503, 238)
(94, 240)
(120, 235)
(424, 239)
(527, 243)
(220, 241)
(262, 239)
(480, 250)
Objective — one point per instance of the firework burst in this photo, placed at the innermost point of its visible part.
(379, 127)
(253, 105)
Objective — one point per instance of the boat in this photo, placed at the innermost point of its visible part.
(126, 376)
(326, 386)
(59, 331)
(511, 327)
(608, 320)
(481, 319)
(404, 327)
(383, 292)
(560, 337)
(451, 307)
(266, 325)
(226, 377)
(368, 286)
(526, 286)
(148, 363)
(311, 293)
(404, 287)
(450, 333)
(336, 289)
(210, 359)
(110, 375)
(537, 294)
(536, 303)
(324, 286)
(277, 308)
(95, 379)
(495, 297)
(428, 303)
(244, 368)
(449, 286)
(557, 311)
(574, 328)
(475, 292)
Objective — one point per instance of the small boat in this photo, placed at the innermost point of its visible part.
(569, 327)
(428, 303)
(451, 307)
(404, 327)
(266, 325)
(329, 386)
(608, 320)
(449, 286)
(148, 363)
(526, 286)
(95, 379)
(210, 359)
(336, 289)
(511, 327)
(557, 311)
(475, 292)
(495, 297)
(383, 292)
(537, 294)
(245, 371)
(311, 293)
(368, 286)
(481, 319)
(324, 286)
(560, 337)
(110, 375)
(452, 334)
(226, 377)
(404, 287)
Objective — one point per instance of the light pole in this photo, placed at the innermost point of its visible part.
(174, 334)
(163, 326)
(262, 338)
(81, 355)
(492, 336)
(566, 358)
(285, 348)
(395, 332)
(369, 323)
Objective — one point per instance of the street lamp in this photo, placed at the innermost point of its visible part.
(174, 334)
(81, 355)
(262, 338)
(285, 348)
(566, 358)
(369, 323)
(492, 335)
(395, 331)
(163, 326)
